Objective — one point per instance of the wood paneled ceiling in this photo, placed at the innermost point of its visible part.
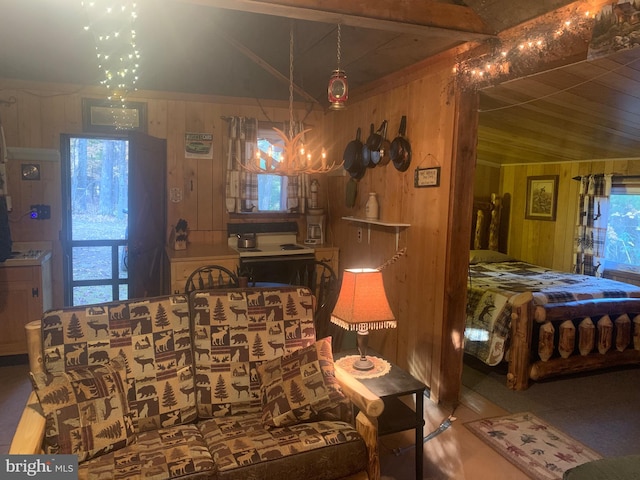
(584, 111)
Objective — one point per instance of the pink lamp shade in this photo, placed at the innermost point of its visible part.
(362, 306)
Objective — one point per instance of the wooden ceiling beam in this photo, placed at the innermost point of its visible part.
(415, 17)
(251, 55)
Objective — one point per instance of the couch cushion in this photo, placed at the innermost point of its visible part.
(85, 409)
(235, 331)
(243, 447)
(153, 334)
(299, 386)
(172, 452)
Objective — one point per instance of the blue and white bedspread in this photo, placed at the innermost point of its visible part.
(491, 285)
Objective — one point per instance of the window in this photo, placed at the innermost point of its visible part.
(623, 227)
(272, 189)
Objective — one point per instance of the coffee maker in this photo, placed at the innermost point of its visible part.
(315, 229)
(315, 218)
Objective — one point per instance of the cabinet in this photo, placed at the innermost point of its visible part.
(25, 293)
(184, 262)
(329, 255)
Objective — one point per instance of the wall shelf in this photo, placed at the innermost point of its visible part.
(397, 226)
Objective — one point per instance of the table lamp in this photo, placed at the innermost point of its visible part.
(362, 305)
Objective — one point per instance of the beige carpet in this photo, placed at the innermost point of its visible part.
(540, 450)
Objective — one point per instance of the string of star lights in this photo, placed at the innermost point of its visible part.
(509, 56)
(112, 24)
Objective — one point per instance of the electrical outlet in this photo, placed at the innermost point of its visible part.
(175, 194)
(40, 212)
(359, 234)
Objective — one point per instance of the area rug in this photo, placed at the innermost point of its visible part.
(537, 448)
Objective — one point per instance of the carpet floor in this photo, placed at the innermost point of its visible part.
(597, 409)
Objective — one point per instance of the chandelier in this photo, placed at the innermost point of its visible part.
(111, 23)
(295, 158)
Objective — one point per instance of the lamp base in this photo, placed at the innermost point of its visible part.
(363, 364)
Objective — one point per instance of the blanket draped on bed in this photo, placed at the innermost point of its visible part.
(491, 285)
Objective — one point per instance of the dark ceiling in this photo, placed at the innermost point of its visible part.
(240, 48)
(196, 46)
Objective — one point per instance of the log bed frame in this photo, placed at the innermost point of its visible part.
(561, 338)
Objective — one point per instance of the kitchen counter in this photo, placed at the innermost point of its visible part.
(184, 262)
(28, 254)
(202, 251)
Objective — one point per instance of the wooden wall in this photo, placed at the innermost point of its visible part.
(487, 180)
(417, 284)
(42, 112)
(549, 243)
(426, 286)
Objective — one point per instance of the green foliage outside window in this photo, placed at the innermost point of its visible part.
(623, 230)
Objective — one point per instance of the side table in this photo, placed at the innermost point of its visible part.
(397, 415)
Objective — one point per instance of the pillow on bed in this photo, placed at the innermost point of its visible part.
(488, 256)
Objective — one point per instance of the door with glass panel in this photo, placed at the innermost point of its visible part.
(95, 227)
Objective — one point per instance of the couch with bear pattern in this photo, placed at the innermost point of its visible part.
(223, 384)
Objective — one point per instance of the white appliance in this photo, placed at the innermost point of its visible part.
(271, 244)
(276, 258)
(315, 229)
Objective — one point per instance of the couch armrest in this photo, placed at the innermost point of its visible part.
(370, 406)
(34, 346)
(30, 431)
(363, 398)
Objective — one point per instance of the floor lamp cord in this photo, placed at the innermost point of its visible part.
(446, 423)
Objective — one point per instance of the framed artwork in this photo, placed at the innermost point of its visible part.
(426, 177)
(100, 116)
(542, 197)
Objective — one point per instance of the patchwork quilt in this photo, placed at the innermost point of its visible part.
(491, 285)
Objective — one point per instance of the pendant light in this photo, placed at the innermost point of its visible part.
(295, 159)
(338, 90)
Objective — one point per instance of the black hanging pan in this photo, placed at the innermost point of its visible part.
(366, 151)
(381, 155)
(353, 154)
(400, 149)
(374, 142)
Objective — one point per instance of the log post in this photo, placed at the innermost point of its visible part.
(567, 342)
(586, 336)
(368, 428)
(623, 332)
(34, 346)
(521, 333)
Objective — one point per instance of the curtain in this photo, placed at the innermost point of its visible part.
(241, 193)
(591, 224)
(298, 185)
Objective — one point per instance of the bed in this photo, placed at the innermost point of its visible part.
(543, 322)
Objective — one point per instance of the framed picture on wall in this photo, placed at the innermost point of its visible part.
(100, 116)
(542, 197)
